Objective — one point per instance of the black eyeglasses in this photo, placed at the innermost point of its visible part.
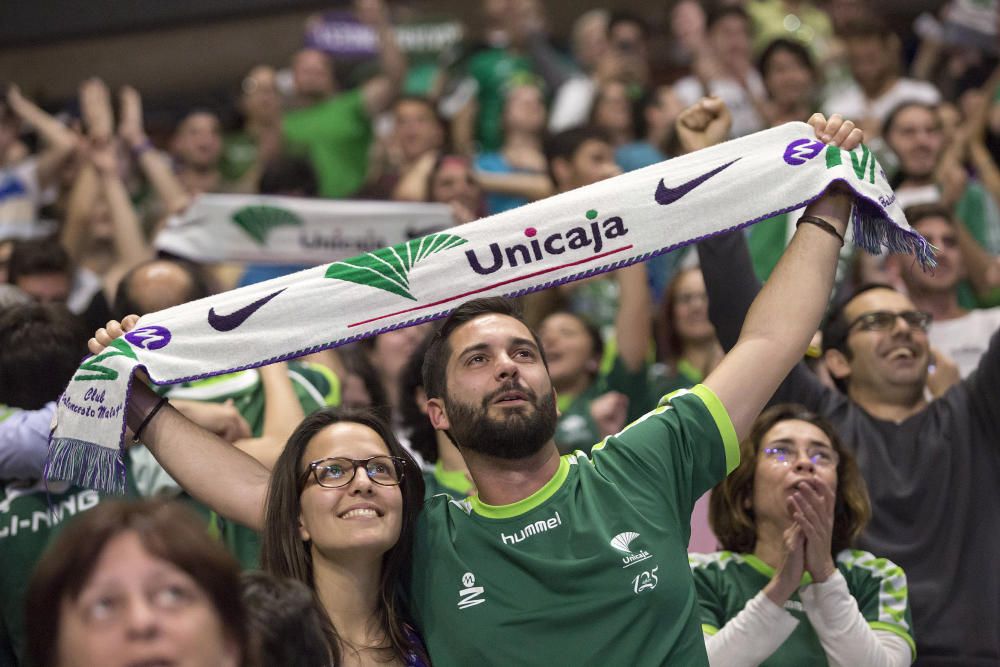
(880, 320)
(335, 472)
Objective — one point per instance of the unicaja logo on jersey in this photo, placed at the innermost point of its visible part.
(622, 542)
(469, 596)
(535, 528)
(536, 248)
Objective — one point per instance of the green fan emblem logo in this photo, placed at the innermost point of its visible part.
(258, 221)
(389, 268)
(94, 369)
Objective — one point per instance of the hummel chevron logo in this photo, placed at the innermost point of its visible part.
(389, 268)
(238, 317)
(258, 221)
(665, 195)
(117, 348)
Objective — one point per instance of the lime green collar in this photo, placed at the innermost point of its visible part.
(768, 571)
(527, 504)
(454, 480)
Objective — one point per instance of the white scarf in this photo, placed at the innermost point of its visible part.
(570, 236)
(288, 230)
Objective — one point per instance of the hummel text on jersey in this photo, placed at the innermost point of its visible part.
(535, 528)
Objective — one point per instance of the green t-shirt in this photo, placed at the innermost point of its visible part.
(453, 483)
(726, 581)
(591, 569)
(576, 429)
(26, 528)
(981, 215)
(336, 135)
(315, 386)
(495, 71)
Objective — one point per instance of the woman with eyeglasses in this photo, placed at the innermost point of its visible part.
(788, 589)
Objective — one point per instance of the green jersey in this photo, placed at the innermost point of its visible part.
(576, 428)
(26, 527)
(589, 570)
(451, 482)
(336, 135)
(727, 581)
(315, 386)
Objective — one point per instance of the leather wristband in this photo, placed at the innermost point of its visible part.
(822, 224)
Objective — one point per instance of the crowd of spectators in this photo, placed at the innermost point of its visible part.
(899, 392)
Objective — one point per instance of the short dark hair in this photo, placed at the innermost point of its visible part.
(285, 626)
(791, 46)
(919, 212)
(167, 530)
(835, 327)
(439, 351)
(127, 302)
(41, 346)
(30, 257)
(620, 16)
(733, 521)
(720, 12)
(564, 145)
(866, 27)
(286, 174)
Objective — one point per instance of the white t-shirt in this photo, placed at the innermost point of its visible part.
(746, 120)
(19, 199)
(850, 101)
(965, 338)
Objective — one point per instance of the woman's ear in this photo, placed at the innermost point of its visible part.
(303, 531)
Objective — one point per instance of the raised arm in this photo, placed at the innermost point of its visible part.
(379, 93)
(154, 165)
(787, 311)
(130, 245)
(282, 413)
(633, 322)
(59, 139)
(219, 475)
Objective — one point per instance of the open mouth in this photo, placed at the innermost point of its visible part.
(153, 662)
(902, 353)
(511, 397)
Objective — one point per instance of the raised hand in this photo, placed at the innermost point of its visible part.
(609, 411)
(130, 124)
(95, 107)
(788, 576)
(109, 332)
(813, 505)
(371, 12)
(703, 124)
(837, 131)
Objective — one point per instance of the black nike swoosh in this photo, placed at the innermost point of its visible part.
(235, 319)
(665, 195)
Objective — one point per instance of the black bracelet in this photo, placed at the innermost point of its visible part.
(822, 224)
(148, 418)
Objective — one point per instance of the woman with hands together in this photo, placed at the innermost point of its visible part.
(788, 589)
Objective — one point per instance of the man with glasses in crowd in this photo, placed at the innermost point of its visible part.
(931, 467)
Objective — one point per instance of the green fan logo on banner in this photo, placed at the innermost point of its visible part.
(258, 221)
(389, 268)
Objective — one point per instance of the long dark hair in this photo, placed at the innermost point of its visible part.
(284, 553)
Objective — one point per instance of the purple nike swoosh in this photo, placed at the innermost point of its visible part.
(665, 195)
(235, 319)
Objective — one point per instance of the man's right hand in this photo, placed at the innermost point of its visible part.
(112, 330)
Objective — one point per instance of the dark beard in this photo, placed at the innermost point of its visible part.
(522, 433)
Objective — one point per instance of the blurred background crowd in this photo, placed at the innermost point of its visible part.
(106, 139)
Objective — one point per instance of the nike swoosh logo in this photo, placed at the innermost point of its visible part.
(665, 195)
(235, 319)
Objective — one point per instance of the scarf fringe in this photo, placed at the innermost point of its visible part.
(87, 464)
(873, 231)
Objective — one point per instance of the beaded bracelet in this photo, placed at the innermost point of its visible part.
(822, 224)
(148, 418)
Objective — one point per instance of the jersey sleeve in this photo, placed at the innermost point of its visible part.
(711, 607)
(880, 588)
(673, 453)
(315, 385)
